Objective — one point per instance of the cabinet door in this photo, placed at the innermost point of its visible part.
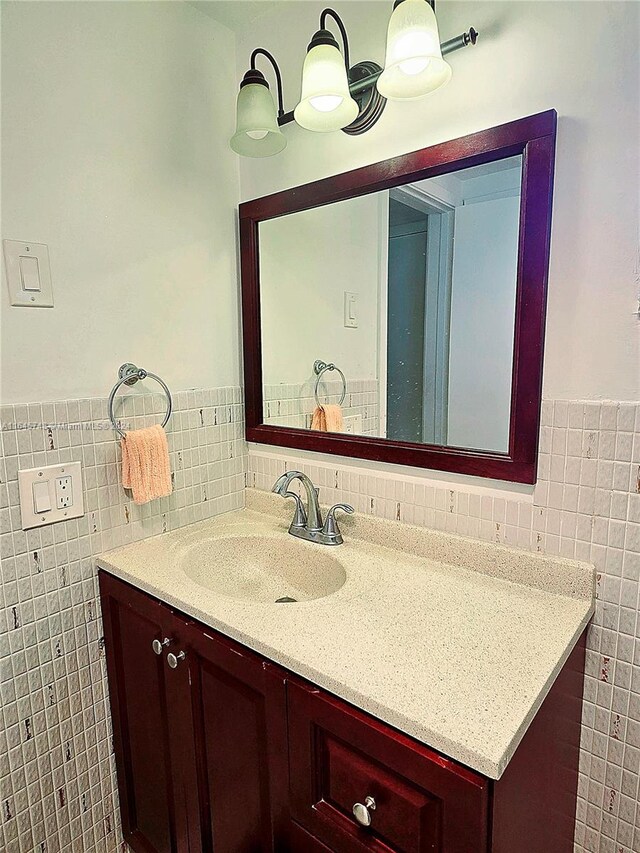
(340, 757)
(240, 759)
(141, 717)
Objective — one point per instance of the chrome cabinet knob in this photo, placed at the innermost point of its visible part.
(174, 660)
(362, 811)
(157, 645)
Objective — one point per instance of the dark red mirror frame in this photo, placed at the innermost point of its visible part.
(533, 137)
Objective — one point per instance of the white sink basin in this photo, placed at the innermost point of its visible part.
(263, 569)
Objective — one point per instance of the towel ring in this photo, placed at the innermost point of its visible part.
(129, 374)
(319, 367)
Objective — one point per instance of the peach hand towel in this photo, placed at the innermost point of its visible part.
(328, 419)
(145, 464)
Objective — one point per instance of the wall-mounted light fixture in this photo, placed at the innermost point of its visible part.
(337, 96)
(413, 64)
(326, 103)
(258, 131)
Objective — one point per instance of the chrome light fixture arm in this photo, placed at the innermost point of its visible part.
(343, 32)
(260, 51)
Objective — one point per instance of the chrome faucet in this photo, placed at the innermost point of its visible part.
(308, 524)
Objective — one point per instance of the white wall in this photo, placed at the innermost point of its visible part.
(485, 256)
(116, 118)
(531, 56)
(307, 262)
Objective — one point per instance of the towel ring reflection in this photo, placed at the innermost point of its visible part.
(129, 374)
(319, 367)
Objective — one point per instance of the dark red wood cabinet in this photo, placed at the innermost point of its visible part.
(147, 766)
(227, 752)
(200, 748)
(339, 756)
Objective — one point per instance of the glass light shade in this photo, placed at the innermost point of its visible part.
(257, 131)
(413, 65)
(326, 103)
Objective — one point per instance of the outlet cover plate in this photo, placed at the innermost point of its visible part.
(353, 424)
(50, 474)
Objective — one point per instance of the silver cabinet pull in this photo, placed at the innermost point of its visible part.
(362, 811)
(174, 660)
(157, 646)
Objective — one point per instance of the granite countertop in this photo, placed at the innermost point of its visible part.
(453, 641)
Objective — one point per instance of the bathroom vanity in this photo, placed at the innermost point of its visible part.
(419, 697)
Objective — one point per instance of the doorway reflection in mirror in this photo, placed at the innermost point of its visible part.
(427, 344)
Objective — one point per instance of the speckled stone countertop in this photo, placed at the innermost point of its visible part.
(453, 641)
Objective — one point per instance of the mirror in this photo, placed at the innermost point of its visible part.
(397, 312)
(411, 293)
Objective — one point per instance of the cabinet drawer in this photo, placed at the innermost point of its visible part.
(340, 756)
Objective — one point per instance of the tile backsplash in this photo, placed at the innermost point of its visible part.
(57, 776)
(586, 505)
(292, 405)
(57, 782)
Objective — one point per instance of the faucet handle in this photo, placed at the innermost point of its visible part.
(330, 525)
(300, 516)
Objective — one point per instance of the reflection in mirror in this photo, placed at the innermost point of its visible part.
(411, 294)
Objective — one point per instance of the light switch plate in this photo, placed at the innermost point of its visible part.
(350, 310)
(64, 484)
(28, 274)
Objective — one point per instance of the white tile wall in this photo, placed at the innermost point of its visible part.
(57, 782)
(293, 405)
(586, 504)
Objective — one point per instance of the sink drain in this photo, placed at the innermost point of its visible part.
(285, 599)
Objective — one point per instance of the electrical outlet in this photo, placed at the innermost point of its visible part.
(64, 492)
(353, 424)
(49, 494)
